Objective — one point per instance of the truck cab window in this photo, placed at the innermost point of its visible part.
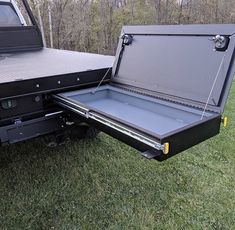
(8, 16)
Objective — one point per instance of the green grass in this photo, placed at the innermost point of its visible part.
(104, 184)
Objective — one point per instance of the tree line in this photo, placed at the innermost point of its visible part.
(95, 25)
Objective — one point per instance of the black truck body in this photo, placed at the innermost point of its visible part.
(31, 73)
(164, 93)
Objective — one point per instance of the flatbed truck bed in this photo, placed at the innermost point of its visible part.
(48, 69)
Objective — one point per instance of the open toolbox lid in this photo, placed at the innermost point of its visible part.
(186, 64)
(191, 65)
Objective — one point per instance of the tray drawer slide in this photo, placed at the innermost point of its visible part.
(158, 129)
(111, 124)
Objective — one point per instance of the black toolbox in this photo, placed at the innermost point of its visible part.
(168, 88)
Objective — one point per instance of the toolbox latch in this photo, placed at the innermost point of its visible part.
(127, 39)
(225, 121)
(221, 42)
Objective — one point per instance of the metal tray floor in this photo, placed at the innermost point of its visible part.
(141, 111)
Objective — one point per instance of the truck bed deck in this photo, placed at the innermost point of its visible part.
(58, 68)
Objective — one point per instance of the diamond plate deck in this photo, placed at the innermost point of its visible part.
(47, 63)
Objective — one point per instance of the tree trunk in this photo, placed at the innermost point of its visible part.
(50, 25)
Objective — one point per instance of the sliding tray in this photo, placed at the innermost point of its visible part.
(168, 88)
(155, 127)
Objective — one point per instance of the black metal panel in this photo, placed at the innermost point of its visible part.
(16, 39)
(22, 38)
(30, 129)
(179, 141)
(21, 105)
(51, 84)
(185, 139)
(178, 62)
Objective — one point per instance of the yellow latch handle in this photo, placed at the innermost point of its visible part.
(166, 148)
(225, 121)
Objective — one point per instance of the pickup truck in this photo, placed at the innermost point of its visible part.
(164, 92)
(29, 73)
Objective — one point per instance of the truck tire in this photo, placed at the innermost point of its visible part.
(83, 132)
(91, 133)
(76, 133)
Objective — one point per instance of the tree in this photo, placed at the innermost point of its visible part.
(95, 25)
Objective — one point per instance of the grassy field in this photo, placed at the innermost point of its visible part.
(104, 184)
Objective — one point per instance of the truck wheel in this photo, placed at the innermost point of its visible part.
(91, 133)
(83, 132)
(76, 133)
(54, 140)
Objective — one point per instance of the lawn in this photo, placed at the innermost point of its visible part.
(104, 184)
